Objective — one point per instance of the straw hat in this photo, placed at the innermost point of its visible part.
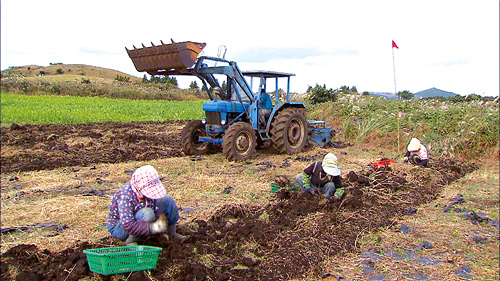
(414, 145)
(147, 181)
(330, 165)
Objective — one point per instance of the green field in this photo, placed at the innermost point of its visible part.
(469, 129)
(42, 109)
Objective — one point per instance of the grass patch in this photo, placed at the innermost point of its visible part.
(43, 109)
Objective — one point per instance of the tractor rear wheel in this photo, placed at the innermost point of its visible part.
(190, 143)
(289, 131)
(239, 142)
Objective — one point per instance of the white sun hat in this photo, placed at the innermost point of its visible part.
(414, 145)
(330, 165)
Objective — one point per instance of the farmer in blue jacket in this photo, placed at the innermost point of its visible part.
(265, 107)
(142, 207)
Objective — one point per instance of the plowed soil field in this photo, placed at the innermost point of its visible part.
(40, 147)
(276, 236)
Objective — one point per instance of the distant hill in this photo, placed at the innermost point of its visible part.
(390, 96)
(429, 93)
(85, 80)
(433, 92)
(73, 69)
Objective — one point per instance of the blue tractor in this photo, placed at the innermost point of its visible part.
(240, 115)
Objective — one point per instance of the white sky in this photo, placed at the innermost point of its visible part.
(452, 45)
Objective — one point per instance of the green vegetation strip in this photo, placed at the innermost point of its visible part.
(448, 128)
(43, 109)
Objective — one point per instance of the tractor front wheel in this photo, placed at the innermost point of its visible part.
(239, 142)
(289, 131)
(190, 143)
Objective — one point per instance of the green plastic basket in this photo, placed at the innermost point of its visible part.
(275, 188)
(116, 260)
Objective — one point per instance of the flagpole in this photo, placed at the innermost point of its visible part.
(394, 67)
(399, 116)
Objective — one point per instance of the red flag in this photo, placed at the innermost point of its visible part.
(394, 45)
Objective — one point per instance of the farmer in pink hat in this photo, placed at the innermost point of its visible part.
(142, 207)
(322, 177)
(417, 153)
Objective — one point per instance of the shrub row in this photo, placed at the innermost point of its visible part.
(86, 87)
(468, 129)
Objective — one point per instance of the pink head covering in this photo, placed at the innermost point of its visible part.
(146, 182)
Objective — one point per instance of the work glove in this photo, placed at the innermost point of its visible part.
(310, 189)
(159, 226)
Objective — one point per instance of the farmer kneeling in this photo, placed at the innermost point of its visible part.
(142, 207)
(417, 153)
(322, 176)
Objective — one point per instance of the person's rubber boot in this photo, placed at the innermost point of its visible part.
(132, 240)
(171, 230)
(333, 199)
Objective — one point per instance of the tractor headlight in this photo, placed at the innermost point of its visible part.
(204, 121)
(223, 122)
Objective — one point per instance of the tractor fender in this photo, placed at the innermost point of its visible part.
(280, 106)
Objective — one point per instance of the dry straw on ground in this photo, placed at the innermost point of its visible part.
(204, 187)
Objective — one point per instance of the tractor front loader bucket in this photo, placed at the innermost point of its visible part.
(172, 58)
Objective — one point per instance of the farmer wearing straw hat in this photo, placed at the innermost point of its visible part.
(142, 207)
(417, 153)
(323, 177)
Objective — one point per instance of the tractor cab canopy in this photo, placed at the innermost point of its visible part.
(267, 74)
(264, 75)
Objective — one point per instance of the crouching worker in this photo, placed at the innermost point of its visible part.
(142, 207)
(417, 153)
(322, 177)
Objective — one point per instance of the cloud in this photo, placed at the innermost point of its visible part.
(266, 54)
(99, 51)
(455, 62)
(327, 42)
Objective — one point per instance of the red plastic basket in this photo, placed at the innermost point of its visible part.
(383, 163)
